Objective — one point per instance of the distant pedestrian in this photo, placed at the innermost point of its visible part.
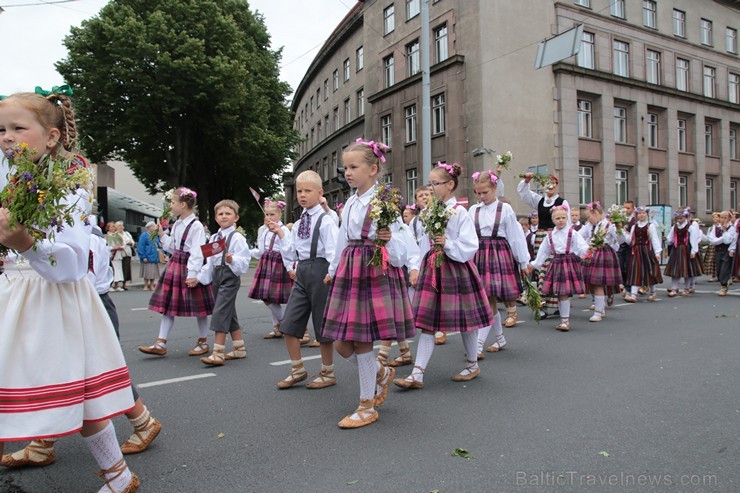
(148, 251)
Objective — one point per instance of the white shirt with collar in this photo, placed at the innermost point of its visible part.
(264, 239)
(461, 242)
(611, 237)
(728, 237)
(509, 228)
(353, 219)
(694, 236)
(578, 245)
(239, 250)
(196, 238)
(294, 248)
(655, 238)
(532, 199)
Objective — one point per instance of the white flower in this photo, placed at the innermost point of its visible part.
(498, 158)
(437, 225)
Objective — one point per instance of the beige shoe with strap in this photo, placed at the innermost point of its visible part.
(215, 359)
(274, 333)
(410, 382)
(511, 319)
(201, 347)
(118, 469)
(237, 352)
(38, 453)
(324, 379)
(473, 370)
(297, 374)
(383, 379)
(365, 411)
(143, 436)
(155, 349)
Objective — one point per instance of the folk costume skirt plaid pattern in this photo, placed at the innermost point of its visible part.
(497, 268)
(450, 298)
(564, 277)
(643, 269)
(550, 301)
(710, 267)
(603, 270)
(366, 303)
(173, 298)
(271, 281)
(680, 264)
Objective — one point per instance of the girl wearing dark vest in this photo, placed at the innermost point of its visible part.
(683, 260)
(644, 263)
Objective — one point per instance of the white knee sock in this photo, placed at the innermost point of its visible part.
(692, 280)
(165, 327)
(202, 327)
(598, 304)
(564, 307)
(674, 283)
(366, 367)
(482, 336)
(634, 290)
(104, 447)
(276, 310)
(424, 351)
(498, 329)
(470, 343)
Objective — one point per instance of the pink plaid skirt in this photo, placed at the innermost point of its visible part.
(603, 270)
(173, 298)
(498, 270)
(451, 297)
(271, 283)
(564, 277)
(643, 268)
(365, 303)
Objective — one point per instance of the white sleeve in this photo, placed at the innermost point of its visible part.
(669, 236)
(287, 248)
(529, 197)
(500, 191)
(339, 245)
(196, 238)
(329, 232)
(240, 255)
(515, 236)
(543, 253)
(579, 246)
(412, 259)
(694, 239)
(397, 246)
(655, 240)
(462, 248)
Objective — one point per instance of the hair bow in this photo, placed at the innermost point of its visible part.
(446, 166)
(65, 90)
(377, 150)
(596, 204)
(411, 207)
(532, 214)
(559, 208)
(340, 205)
(184, 192)
(491, 174)
(640, 209)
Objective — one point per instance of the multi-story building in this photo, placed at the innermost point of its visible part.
(648, 110)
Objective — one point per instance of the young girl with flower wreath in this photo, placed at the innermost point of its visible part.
(61, 367)
(272, 283)
(450, 295)
(178, 292)
(368, 300)
(682, 261)
(644, 262)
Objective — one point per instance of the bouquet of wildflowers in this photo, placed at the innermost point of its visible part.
(434, 219)
(36, 194)
(540, 178)
(617, 215)
(504, 160)
(533, 297)
(384, 210)
(166, 212)
(597, 241)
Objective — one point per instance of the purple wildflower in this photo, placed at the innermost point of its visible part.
(26, 176)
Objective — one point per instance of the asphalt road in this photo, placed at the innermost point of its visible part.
(647, 400)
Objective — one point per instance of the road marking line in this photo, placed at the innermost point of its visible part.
(138, 309)
(175, 380)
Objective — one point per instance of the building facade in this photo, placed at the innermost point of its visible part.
(648, 110)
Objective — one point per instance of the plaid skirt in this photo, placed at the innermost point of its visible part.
(710, 267)
(365, 302)
(551, 302)
(680, 264)
(450, 297)
(498, 270)
(271, 283)
(643, 268)
(603, 270)
(564, 276)
(173, 298)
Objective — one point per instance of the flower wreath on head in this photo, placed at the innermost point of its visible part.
(490, 173)
(640, 209)
(532, 214)
(379, 149)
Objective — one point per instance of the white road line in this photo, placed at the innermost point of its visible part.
(176, 380)
(138, 309)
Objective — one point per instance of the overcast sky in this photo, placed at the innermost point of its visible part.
(32, 36)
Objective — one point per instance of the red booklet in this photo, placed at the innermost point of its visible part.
(213, 248)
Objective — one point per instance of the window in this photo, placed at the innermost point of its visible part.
(585, 184)
(347, 111)
(325, 169)
(440, 43)
(681, 135)
(387, 179)
(389, 66)
(733, 195)
(386, 130)
(706, 32)
(731, 40)
(327, 131)
(733, 152)
(679, 23)
(618, 8)
(312, 105)
(412, 58)
(682, 74)
(439, 124)
(411, 124)
(359, 59)
(346, 70)
(583, 3)
(709, 81)
(586, 55)
(361, 102)
(584, 118)
(649, 17)
(411, 181)
(652, 120)
(654, 188)
(412, 8)
(708, 148)
(318, 98)
(312, 136)
(326, 89)
(389, 19)
(336, 119)
(335, 80)
(620, 125)
(621, 58)
(653, 67)
(318, 132)
(683, 190)
(621, 180)
(733, 88)
(709, 194)
(334, 164)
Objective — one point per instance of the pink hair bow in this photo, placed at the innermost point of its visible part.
(559, 208)
(446, 166)
(594, 205)
(491, 174)
(378, 149)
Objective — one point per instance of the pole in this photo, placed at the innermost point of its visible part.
(426, 117)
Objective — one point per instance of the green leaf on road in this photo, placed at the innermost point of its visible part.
(604, 453)
(461, 452)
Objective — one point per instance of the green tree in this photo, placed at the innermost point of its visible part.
(187, 92)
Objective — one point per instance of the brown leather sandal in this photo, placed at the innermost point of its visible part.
(404, 359)
(511, 319)
(459, 377)
(238, 352)
(215, 359)
(297, 374)
(274, 333)
(118, 468)
(41, 447)
(405, 383)
(386, 373)
(201, 347)
(152, 429)
(154, 349)
(322, 380)
(366, 413)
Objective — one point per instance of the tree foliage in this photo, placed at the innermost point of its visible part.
(187, 92)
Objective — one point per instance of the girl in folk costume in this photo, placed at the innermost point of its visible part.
(723, 237)
(272, 283)
(61, 367)
(575, 221)
(450, 295)
(367, 302)
(601, 270)
(409, 213)
(543, 205)
(683, 260)
(502, 251)
(644, 263)
(564, 277)
(710, 266)
(178, 292)
(697, 260)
